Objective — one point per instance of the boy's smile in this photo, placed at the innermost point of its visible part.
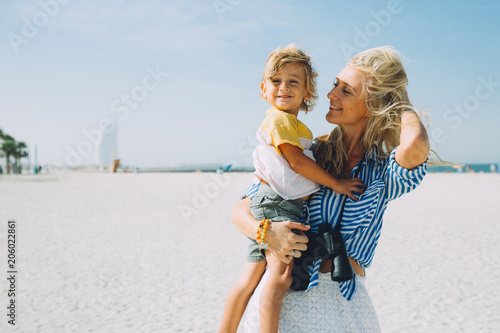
(287, 88)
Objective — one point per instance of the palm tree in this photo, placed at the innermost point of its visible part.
(18, 154)
(9, 147)
(2, 154)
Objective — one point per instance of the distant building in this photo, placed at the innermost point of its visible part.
(108, 149)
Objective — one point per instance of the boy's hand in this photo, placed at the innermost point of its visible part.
(349, 186)
(305, 166)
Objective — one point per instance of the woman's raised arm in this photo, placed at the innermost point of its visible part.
(413, 149)
(280, 238)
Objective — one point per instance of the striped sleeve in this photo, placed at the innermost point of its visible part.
(250, 192)
(400, 180)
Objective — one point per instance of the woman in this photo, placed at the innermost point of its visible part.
(378, 133)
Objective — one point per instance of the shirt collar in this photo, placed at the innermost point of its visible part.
(373, 155)
(274, 110)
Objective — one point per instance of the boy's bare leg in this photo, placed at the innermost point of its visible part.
(279, 281)
(239, 295)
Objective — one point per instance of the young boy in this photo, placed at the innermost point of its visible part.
(287, 174)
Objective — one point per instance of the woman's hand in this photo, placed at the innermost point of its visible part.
(280, 238)
(413, 149)
(283, 242)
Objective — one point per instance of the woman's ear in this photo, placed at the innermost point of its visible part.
(263, 89)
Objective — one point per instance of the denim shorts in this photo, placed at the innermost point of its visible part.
(266, 204)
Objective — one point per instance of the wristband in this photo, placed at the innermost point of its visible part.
(261, 234)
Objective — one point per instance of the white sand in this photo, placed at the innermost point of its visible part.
(152, 253)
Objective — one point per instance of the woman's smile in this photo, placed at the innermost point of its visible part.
(334, 108)
(347, 91)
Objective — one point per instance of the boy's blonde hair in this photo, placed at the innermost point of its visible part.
(291, 54)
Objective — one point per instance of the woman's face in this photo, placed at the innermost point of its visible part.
(347, 100)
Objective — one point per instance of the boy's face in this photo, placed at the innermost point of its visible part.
(287, 88)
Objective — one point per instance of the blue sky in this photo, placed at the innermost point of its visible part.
(192, 71)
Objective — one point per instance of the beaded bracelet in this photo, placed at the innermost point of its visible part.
(261, 234)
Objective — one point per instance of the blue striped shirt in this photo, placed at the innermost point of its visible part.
(385, 180)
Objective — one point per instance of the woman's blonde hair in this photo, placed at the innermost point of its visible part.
(384, 85)
(291, 54)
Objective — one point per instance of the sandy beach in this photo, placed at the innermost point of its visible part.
(158, 253)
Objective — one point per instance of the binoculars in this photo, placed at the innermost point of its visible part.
(334, 245)
(326, 244)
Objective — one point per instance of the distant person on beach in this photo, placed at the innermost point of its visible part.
(287, 175)
(379, 135)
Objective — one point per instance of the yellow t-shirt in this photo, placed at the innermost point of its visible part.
(281, 127)
(270, 165)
